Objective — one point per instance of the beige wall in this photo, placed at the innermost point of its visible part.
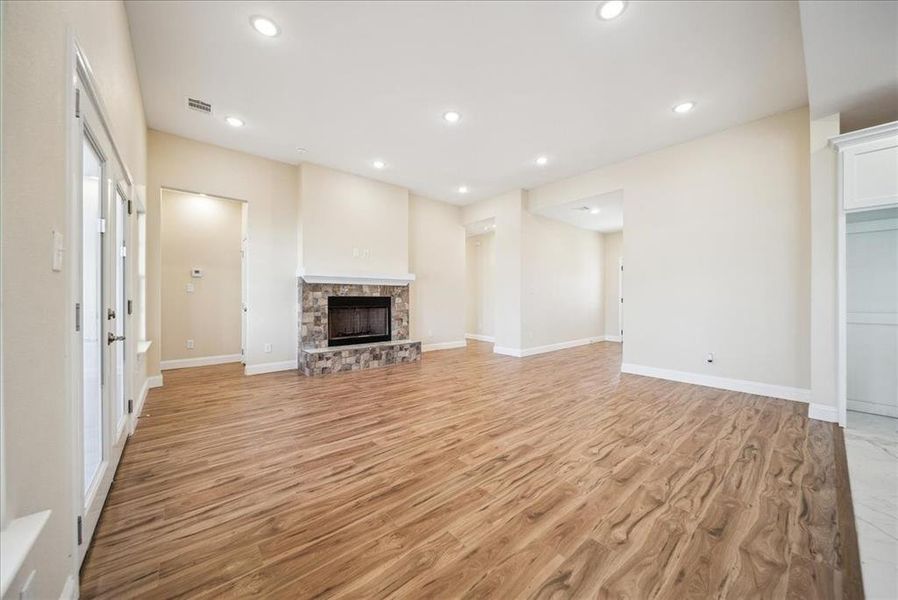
(613, 252)
(436, 241)
(37, 316)
(270, 190)
(507, 211)
(824, 212)
(202, 232)
(717, 251)
(480, 275)
(562, 283)
(352, 224)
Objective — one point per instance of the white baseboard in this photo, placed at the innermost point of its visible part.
(141, 397)
(154, 381)
(443, 346)
(823, 412)
(70, 589)
(480, 338)
(723, 383)
(200, 361)
(613, 338)
(522, 352)
(272, 367)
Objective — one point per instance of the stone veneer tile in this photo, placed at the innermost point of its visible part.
(313, 328)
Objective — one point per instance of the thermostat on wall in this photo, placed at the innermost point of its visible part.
(196, 272)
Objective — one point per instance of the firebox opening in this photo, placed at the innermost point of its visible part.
(358, 320)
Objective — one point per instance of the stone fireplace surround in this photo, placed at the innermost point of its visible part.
(316, 358)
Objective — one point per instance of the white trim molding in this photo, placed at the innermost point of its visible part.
(724, 383)
(443, 346)
(613, 338)
(357, 278)
(480, 338)
(523, 352)
(200, 361)
(16, 542)
(154, 381)
(272, 367)
(823, 412)
(70, 590)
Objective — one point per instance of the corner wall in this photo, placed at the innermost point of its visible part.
(717, 250)
(271, 190)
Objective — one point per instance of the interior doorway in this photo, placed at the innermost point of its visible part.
(203, 247)
(480, 273)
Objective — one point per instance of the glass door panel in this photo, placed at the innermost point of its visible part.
(91, 309)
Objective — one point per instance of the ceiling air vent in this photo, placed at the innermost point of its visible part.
(199, 106)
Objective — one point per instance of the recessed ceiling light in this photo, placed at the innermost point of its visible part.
(684, 107)
(462, 189)
(452, 116)
(265, 26)
(611, 9)
(234, 121)
(542, 161)
(301, 150)
(379, 164)
(595, 211)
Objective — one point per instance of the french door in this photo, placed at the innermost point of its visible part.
(101, 308)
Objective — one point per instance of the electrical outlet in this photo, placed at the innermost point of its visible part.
(190, 344)
(267, 347)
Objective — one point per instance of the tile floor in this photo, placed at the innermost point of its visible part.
(871, 443)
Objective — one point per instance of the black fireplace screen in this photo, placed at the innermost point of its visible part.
(357, 320)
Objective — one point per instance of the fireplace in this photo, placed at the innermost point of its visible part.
(358, 319)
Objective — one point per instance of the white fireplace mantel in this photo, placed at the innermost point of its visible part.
(357, 278)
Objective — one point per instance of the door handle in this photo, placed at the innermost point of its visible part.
(111, 337)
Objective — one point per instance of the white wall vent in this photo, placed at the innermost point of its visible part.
(199, 106)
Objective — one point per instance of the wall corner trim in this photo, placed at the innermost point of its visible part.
(823, 412)
(154, 381)
(272, 367)
(480, 338)
(724, 383)
(443, 346)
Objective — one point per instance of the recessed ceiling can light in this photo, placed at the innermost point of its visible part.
(462, 189)
(542, 161)
(611, 9)
(595, 211)
(379, 164)
(234, 121)
(301, 150)
(264, 26)
(452, 116)
(684, 107)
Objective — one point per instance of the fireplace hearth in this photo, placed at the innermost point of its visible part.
(358, 320)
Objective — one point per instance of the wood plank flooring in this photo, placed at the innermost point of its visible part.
(473, 475)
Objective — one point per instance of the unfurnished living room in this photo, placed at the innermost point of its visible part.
(445, 299)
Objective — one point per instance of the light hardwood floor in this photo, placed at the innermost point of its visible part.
(474, 475)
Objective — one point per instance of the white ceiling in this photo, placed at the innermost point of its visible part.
(610, 217)
(358, 81)
(851, 51)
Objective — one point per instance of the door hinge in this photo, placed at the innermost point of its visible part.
(621, 300)
(77, 316)
(129, 207)
(124, 251)
(77, 103)
(129, 307)
(80, 538)
(130, 406)
(102, 225)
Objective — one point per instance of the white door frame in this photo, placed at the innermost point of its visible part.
(81, 98)
(620, 297)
